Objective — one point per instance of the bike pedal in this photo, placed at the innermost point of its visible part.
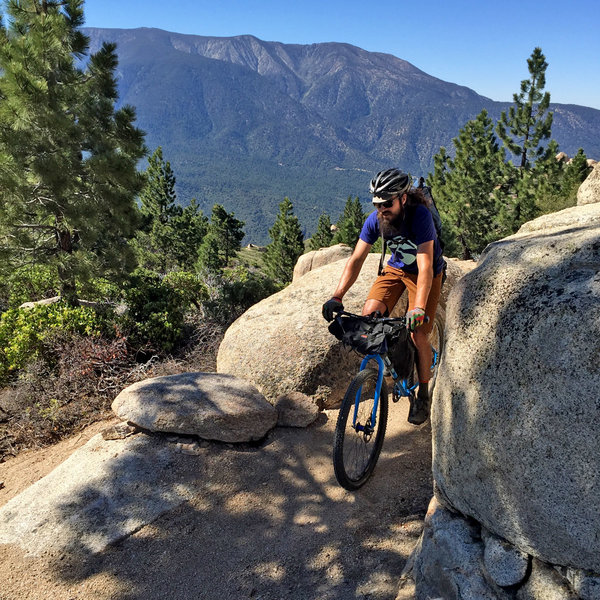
(395, 397)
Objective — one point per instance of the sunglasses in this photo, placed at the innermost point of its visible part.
(386, 204)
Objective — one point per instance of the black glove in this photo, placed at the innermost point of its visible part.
(331, 306)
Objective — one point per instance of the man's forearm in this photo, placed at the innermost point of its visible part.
(425, 276)
(424, 281)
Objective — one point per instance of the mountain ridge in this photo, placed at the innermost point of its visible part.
(246, 122)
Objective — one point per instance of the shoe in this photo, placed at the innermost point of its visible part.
(419, 410)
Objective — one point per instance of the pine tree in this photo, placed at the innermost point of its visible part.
(286, 245)
(158, 198)
(189, 229)
(523, 131)
(323, 235)
(575, 174)
(68, 177)
(170, 236)
(350, 223)
(525, 127)
(222, 241)
(437, 182)
(464, 185)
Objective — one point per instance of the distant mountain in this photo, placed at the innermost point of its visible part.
(246, 122)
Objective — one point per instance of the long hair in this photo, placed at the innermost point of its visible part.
(414, 197)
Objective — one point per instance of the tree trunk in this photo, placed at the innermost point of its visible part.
(68, 290)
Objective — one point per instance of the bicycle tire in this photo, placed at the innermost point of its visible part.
(355, 453)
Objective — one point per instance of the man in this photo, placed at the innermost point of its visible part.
(416, 264)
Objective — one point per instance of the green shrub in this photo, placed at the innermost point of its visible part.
(235, 290)
(28, 284)
(154, 320)
(24, 332)
(189, 286)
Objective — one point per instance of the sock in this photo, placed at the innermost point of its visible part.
(423, 391)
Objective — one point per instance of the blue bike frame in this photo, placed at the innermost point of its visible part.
(402, 386)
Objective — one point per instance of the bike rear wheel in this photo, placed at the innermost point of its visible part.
(357, 448)
(436, 338)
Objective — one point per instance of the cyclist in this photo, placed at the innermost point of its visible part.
(406, 226)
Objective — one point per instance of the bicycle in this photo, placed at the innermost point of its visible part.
(359, 438)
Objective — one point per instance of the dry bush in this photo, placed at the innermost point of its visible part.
(53, 399)
(79, 377)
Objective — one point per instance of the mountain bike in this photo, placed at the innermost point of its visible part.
(362, 419)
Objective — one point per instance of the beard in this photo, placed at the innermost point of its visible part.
(389, 227)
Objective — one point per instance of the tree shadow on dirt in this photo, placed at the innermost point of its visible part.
(271, 522)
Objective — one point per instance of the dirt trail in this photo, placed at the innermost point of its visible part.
(269, 523)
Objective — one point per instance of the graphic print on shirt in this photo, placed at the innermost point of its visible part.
(402, 249)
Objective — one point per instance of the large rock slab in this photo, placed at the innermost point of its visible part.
(282, 344)
(211, 406)
(577, 216)
(515, 425)
(589, 190)
(102, 493)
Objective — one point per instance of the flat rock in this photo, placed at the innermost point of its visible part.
(102, 493)
(211, 406)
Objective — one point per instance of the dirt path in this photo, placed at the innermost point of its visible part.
(269, 523)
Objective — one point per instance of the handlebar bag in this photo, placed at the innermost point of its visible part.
(361, 335)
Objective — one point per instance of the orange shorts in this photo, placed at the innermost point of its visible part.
(390, 285)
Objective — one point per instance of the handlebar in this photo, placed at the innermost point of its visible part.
(372, 319)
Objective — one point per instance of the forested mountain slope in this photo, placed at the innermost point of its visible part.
(246, 122)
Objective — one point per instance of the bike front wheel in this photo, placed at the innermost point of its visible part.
(357, 443)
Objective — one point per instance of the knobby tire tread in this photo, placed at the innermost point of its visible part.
(343, 428)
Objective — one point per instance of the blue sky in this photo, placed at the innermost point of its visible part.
(483, 45)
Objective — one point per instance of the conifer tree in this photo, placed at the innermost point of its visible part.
(222, 241)
(350, 223)
(170, 236)
(523, 130)
(437, 182)
(158, 198)
(575, 174)
(526, 126)
(68, 177)
(323, 235)
(463, 185)
(189, 229)
(286, 245)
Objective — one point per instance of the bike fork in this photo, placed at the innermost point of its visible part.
(373, 421)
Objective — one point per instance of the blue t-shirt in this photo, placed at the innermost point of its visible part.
(413, 231)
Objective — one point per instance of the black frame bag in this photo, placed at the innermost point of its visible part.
(401, 352)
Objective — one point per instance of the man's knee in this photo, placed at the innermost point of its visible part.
(371, 305)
